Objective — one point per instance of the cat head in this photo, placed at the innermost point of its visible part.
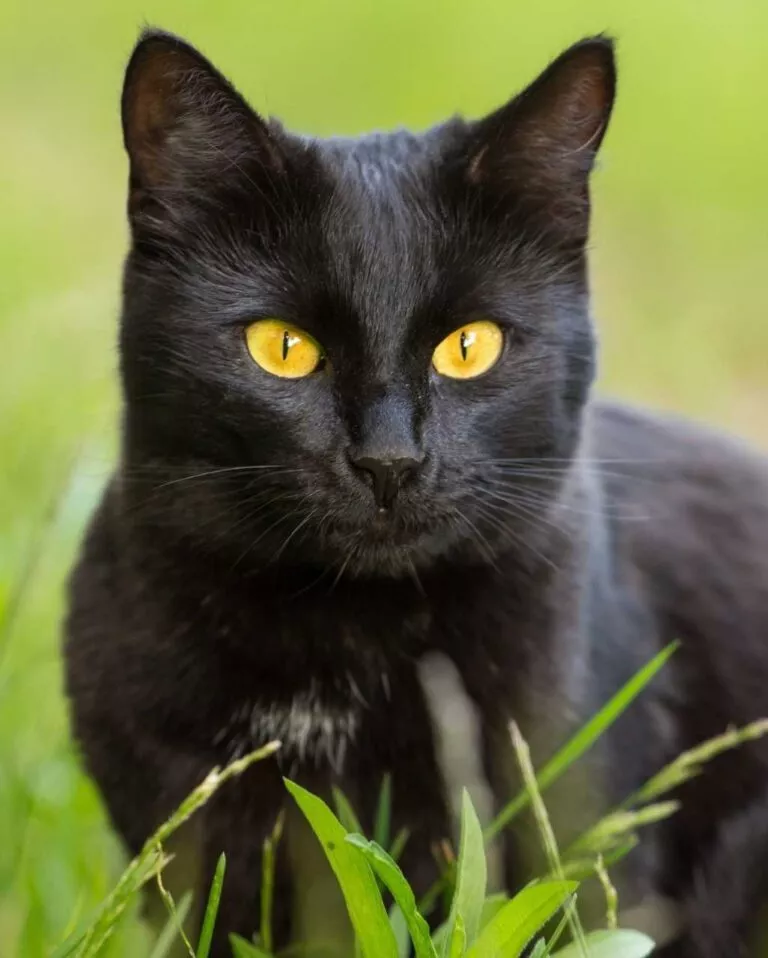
(355, 354)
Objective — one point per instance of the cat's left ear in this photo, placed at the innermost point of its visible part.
(541, 146)
(185, 127)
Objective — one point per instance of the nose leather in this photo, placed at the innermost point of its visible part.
(387, 476)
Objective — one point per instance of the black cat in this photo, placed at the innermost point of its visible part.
(358, 430)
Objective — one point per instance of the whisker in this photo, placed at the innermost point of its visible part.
(482, 544)
(228, 469)
(537, 498)
(288, 538)
(518, 539)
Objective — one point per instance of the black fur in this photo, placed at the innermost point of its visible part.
(239, 582)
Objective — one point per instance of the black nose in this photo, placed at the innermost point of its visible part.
(387, 476)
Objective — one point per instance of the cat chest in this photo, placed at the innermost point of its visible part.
(311, 731)
(322, 697)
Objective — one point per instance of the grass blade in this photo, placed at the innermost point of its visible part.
(398, 843)
(492, 906)
(170, 932)
(344, 811)
(617, 828)
(516, 923)
(173, 914)
(611, 944)
(400, 929)
(456, 940)
(383, 820)
(268, 881)
(471, 877)
(390, 874)
(212, 908)
(584, 739)
(691, 763)
(545, 829)
(356, 880)
(245, 949)
(150, 861)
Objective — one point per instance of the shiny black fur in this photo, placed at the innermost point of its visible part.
(239, 581)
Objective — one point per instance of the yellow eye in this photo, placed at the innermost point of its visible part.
(469, 351)
(282, 349)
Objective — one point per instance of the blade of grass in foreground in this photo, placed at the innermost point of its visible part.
(471, 878)
(546, 832)
(356, 880)
(513, 927)
(344, 811)
(151, 860)
(583, 740)
(212, 908)
(383, 819)
(268, 865)
(611, 944)
(244, 949)
(391, 875)
(167, 937)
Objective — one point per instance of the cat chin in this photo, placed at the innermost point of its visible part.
(373, 556)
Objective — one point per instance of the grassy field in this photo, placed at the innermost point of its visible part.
(680, 274)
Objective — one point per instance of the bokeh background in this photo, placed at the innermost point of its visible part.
(680, 275)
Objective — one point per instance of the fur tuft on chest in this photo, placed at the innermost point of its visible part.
(311, 731)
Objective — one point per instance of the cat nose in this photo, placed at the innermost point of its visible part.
(387, 475)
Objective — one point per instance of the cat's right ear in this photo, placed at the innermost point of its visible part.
(540, 148)
(184, 124)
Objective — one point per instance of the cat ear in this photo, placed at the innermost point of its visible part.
(184, 124)
(542, 144)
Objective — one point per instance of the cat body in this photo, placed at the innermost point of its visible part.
(278, 557)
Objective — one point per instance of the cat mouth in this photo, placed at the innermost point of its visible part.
(388, 529)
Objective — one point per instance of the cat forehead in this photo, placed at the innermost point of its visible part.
(384, 224)
(380, 158)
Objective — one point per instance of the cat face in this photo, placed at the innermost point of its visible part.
(284, 299)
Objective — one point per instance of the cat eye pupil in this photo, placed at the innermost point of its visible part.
(466, 340)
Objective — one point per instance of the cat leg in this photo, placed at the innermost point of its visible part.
(726, 909)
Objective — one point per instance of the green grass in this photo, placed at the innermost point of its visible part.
(680, 248)
(478, 925)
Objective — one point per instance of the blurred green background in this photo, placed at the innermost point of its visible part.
(680, 271)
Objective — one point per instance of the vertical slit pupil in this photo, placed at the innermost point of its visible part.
(463, 341)
(286, 344)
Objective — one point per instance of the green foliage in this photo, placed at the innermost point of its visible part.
(611, 944)
(212, 908)
(246, 949)
(616, 835)
(478, 926)
(690, 763)
(516, 923)
(149, 863)
(392, 878)
(583, 740)
(358, 885)
(167, 937)
(469, 890)
(268, 865)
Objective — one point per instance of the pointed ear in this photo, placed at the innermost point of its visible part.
(541, 146)
(184, 125)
